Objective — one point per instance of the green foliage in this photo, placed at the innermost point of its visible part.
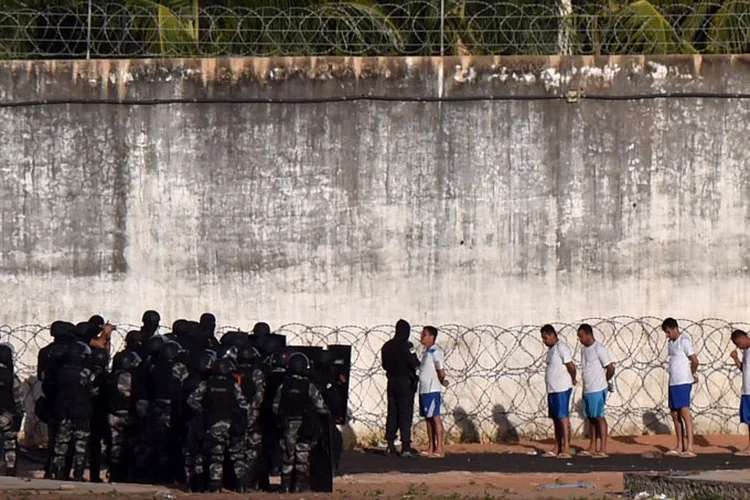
(191, 28)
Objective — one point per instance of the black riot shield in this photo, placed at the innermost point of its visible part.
(321, 459)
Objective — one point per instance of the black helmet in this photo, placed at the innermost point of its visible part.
(151, 318)
(208, 322)
(298, 364)
(227, 351)
(62, 330)
(247, 355)
(170, 350)
(126, 360)
(223, 366)
(6, 356)
(206, 360)
(261, 328)
(134, 340)
(154, 344)
(82, 331)
(181, 327)
(236, 339)
(77, 353)
(99, 357)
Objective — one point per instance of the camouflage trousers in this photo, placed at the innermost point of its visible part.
(218, 444)
(10, 440)
(73, 433)
(119, 423)
(295, 463)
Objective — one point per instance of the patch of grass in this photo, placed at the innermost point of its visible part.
(416, 491)
(374, 493)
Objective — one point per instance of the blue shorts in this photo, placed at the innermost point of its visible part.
(745, 409)
(429, 404)
(559, 404)
(679, 396)
(593, 404)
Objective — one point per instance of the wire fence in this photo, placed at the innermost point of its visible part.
(497, 390)
(95, 29)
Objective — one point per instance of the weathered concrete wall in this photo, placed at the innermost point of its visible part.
(361, 212)
(516, 210)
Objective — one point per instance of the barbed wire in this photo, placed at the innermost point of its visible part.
(415, 27)
(497, 389)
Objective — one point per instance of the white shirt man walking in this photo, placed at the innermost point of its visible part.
(431, 381)
(596, 371)
(560, 377)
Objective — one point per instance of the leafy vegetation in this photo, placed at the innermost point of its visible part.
(187, 28)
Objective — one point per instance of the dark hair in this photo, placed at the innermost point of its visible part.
(431, 330)
(586, 328)
(549, 330)
(738, 334)
(669, 323)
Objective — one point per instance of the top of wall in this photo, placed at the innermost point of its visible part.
(306, 78)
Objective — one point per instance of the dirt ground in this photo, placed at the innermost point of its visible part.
(458, 484)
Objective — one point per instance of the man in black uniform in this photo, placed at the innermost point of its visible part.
(73, 406)
(150, 324)
(208, 331)
(298, 403)
(11, 409)
(400, 363)
(195, 472)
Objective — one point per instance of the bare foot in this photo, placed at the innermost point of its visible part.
(564, 455)
(586, 453)
(675, 452)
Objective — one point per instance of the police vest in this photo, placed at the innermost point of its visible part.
(74, 393)
(219, 402)
(164, 385)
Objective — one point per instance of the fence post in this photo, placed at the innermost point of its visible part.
(442, 27)
(88, 33)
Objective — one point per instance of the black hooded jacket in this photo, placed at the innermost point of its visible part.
(398, 357)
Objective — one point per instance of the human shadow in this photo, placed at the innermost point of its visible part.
(654, 424)
(469, 431)
(506, 432)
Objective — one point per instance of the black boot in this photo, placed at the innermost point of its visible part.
(214, 486)
(301, 482)
(286, 483)
(10, 471)
(391, 450)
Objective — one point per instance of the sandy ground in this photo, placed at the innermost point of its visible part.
(455, 485)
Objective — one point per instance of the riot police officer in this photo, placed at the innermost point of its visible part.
(298, 403)
(11, 408)
(73, 406)
(253, 384)
(120, 407)
(219, 399)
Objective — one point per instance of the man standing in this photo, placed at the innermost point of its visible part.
(683, 364)
(431, 380)
(597, 371)
(400, 363)
(742, 341)
(560, 377)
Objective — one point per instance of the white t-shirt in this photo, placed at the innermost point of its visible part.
(433, 360)
(745, 373)
(593, 360)
(557, 376)
(680, 351)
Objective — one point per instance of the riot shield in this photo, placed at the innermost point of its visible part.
(321, 459)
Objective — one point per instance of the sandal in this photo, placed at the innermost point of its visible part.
(688, 454)
(601, 455)
(584, 453)
(672, 453)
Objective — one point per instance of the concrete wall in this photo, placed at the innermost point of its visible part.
(511, 211)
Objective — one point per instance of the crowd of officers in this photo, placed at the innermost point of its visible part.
(181, 407)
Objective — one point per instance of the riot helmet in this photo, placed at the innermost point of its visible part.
(298, 364)
(224, 367)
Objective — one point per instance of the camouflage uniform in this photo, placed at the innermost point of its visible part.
(120, 413)
(253, 384)
(11, 409)
(167, 378)
(298, 403)
(219, 399)
(74, 406)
